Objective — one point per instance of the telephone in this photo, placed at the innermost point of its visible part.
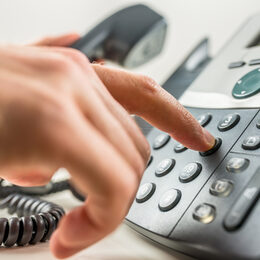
(130, 37)
(206, 204)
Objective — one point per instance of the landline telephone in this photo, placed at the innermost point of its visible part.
(206, 204)
(202, 204)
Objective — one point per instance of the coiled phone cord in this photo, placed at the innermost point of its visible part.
(37, 219)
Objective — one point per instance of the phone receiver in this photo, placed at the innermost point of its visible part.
(130, 37)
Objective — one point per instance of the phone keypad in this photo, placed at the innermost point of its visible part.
(193, 193)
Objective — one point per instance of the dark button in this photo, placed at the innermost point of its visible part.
(248, 85)
(169, 199)
(254, 62)
(160, 141)
(221, 188)
(251, 142)
(178, 148)
(204, 213)
(204, 119)
(241, 208)
(190, 172)
(214, 149)
(236, 165)
(164, 167)
(258, 123)
(149, 161)
(228, 122)
(145, 192)
(236, 64)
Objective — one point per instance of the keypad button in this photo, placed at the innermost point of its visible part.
(221, 188)
(160, 141)
(164, 167)
(145, 192)
(190, 172)
(236, 64)
(236, 165)
(178, 148)
(217, 145)
(251, 142)
(241, 208)
(258, 123)
(169, 199)
(204, 119)
(149, 161)
(228, 122)
(204, 213)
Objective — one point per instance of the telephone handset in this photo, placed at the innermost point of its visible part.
(206, 205)
(130, 37)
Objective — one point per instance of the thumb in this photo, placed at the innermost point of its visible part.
(60, 41)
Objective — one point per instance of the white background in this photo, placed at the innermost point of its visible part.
(189, 21)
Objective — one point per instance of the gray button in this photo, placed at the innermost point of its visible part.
(145, 192)
(241, 208)
(236, 165)
(190, 172)
(254, 62)
(204, 119)
(251, 142)
(221, 188)
(160, 141)
(228, 122)
(217, 145)
(178, 148)
(204, 213)
(169, 199)
(236, 64)
(164, 167)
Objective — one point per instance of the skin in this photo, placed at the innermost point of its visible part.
(58, 110)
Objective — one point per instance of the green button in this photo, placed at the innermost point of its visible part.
(248, 85)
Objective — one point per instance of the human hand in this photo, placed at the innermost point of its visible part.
(58, 110)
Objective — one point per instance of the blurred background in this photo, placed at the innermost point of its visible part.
(189, 21)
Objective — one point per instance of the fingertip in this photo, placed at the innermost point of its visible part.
(209, 139)
(59, 250)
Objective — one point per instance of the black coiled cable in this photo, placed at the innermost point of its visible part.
(37, 219)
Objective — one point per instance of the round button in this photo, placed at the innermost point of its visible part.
(228, 122)
(145, 192)
(190, 172)
(169, 199)
(251, 142)
(248, 85)
(204, 213)
(221, 188)
(178, 148)
(217, 145)
(164, 167)
(236, 165)
(160, 141)
(204, 119)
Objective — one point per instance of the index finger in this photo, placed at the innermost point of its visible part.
(142, 96)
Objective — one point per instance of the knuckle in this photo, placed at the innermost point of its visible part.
(149, 85)
(60, 63)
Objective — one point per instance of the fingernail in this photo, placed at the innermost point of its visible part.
(210, 139)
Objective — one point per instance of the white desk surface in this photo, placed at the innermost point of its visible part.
(189, 21)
